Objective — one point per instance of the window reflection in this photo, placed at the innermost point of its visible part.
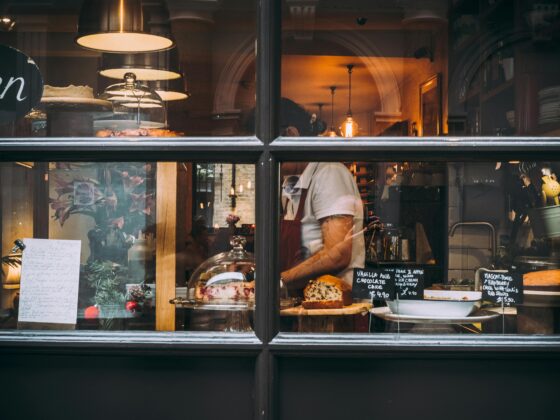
(420, 247)
(424, 68)
(147, 232)
(194, 67)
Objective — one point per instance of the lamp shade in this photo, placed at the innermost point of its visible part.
(162, 65)
(170, 90)
(117, 26)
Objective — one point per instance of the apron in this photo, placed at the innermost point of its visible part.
(291, 249)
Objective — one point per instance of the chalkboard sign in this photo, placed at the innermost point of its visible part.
(21, 84)
(409, 283)
(502, 287)
(373, 284)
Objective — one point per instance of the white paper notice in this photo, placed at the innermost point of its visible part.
(50, 278)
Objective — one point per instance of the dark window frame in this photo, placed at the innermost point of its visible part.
(267, 150)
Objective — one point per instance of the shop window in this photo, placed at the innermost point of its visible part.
(420, 247)
(127, 246)
(193, 67)
(420, 68)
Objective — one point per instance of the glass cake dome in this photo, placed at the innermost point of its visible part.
(225, 281)
(135, 106)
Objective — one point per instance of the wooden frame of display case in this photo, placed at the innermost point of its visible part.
(267, 150)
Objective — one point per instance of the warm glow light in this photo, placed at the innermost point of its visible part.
(169, 95)
(125, 42)
(332, 133)
(121, 16)
(349, 127)
(128, 98)
(140, 105)
(240, 188)
(232, 191)
(141, 74)
(249, 185)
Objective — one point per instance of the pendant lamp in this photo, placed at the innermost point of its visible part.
(117, 26)
(349, 127)
(162, 65)
(171, 90)
(332, 132)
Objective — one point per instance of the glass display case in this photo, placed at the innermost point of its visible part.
(224, 283)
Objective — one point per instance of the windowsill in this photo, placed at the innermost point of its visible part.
(358, 343)
(141, 340)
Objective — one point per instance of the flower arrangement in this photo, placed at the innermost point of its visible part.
(120, 197)
(232, 219)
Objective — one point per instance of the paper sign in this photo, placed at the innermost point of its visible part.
(373, 284)
(502, 287)
(409, 283)
(50, 278)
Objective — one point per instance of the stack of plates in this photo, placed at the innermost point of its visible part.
(549, 105)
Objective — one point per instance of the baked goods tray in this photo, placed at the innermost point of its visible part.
(354, 309)
(479, 316)
(191, 304)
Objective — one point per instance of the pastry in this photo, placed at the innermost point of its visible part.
(138, 132)
(68, 92)
(545, 278)
(326, 292)
(237, 290)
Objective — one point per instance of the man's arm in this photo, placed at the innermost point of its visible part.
(334, 257)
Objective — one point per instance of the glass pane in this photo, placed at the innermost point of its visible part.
(420, 68)
(89, 245)
(420, 247)
(193, 65)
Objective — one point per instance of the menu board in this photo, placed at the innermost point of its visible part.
(386, 283)
(409, 282)
(50, 276)
(506, 288)
(373, 284)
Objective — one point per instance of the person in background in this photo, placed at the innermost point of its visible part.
(196, 246)
(322, 223)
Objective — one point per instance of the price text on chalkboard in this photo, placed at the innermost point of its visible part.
(409, 283)
(373, 284)
(502, 287)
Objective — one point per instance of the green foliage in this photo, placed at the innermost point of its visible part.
(108, 281)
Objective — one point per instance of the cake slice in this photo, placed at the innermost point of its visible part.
(326, 292)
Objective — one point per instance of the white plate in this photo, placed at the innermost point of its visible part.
(432, 308)
(452, 295)
(386, 314)
(71, 101)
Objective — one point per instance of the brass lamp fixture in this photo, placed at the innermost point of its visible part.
(332, 132)
(349, 127)
(162, 65)
(117, 26)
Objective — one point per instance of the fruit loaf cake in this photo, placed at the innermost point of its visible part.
(545, 278)
(326, 292)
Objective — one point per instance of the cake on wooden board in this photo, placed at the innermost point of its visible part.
(326, 292)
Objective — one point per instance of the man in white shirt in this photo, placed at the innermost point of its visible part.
(322, 223)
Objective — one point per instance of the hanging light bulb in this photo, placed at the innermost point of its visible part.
(249, 185)
(240, 189)
(349, 127)
(117, 26)
(331, 131)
